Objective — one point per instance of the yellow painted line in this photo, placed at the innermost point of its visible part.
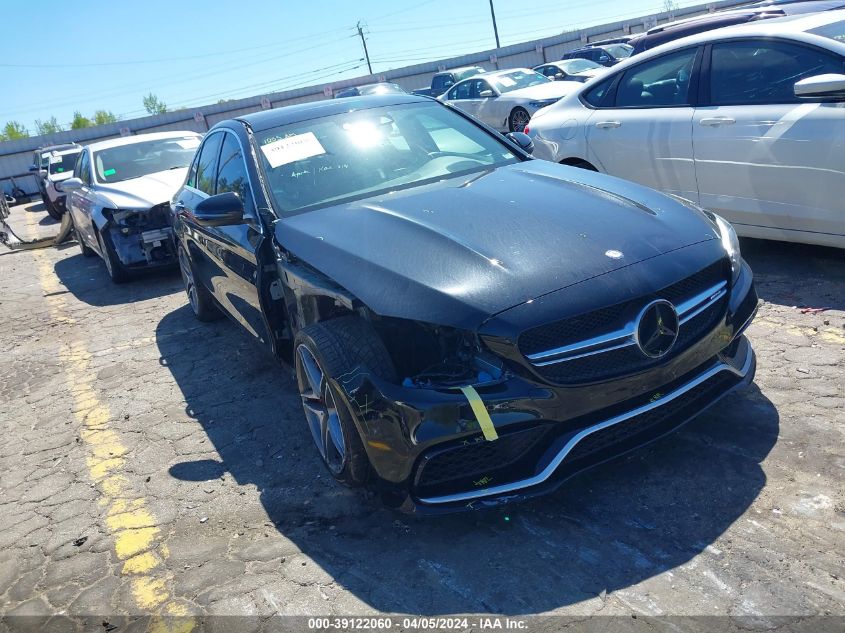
(828, 334)
(133, 527)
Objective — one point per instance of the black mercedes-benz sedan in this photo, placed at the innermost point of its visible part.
(468, 326)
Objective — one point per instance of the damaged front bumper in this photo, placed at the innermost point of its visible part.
(142, 238)
(430, 455)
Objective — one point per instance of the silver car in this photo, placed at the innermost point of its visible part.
(506, 99)
(747, 121)
(119, 198)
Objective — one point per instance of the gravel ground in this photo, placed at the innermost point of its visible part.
(151, 464)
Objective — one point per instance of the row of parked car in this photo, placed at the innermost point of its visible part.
(469, 325)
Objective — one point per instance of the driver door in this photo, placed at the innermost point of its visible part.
(225, 257)
(763, 157)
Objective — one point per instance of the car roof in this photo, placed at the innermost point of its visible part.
(140, 138)
(286, 115)
(457, 70)
(55, 148)
(791, 25)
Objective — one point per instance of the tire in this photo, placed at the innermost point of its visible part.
(328, 350)
(518, 119)
(199, 298)
(117, 272)
(52, 210)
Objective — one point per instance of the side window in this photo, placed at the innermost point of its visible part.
(744, 73)
(595, 96)
(207, 165)
(192, 172)
(462, 90)
(81, 169)
(477, 87)
(232, 173)
(657, 83)
(548, 71)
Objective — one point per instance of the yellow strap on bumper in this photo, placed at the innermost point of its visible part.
(480, 412)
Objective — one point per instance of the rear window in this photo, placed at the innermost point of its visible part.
(834, 31)
(63, 163)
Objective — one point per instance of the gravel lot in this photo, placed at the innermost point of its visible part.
(151, 464)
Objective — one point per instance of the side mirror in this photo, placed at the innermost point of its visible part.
(71, 183)
(219, 210)
(486, 94)
(523, 140)
(559, 77)
(830, 85)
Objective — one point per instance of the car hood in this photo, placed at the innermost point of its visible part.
(550, 90)
(458, 251)
(143, 192)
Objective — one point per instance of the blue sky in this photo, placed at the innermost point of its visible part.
(109, 55)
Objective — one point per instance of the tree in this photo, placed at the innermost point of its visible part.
(154, 105)
(101, 117)
(79, 121)
(50, 126)
(670, 6)
(13, 130)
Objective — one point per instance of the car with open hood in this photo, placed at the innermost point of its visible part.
(506, 99)
(119, 199)
(467, 325)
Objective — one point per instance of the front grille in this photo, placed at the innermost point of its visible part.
(478, 462)
(627, 360)
(639, 426)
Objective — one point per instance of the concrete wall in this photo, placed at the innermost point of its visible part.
(16, 156)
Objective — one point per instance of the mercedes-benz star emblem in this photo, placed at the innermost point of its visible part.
(657, 328)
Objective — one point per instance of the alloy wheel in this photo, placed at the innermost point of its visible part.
(320, 410)
(519, 120)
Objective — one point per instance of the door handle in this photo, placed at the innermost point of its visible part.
(607, 125)
(717, 121)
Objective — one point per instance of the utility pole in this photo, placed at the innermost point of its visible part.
(364, 42)
(495, 28)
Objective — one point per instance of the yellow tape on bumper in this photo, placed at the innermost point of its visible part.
(480, 412)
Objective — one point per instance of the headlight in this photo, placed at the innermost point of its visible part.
(730, 242)
(542, 103)
(727, 234)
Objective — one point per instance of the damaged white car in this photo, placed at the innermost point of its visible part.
(119, 198)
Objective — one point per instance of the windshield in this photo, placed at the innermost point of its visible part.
(124, 162)
(834, 31)
(619, 51)
(579, 65)
(517, 79)
(355, 155)
(63, 163)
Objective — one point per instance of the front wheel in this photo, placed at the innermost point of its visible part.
(518, 119)
(200, 299)
(323, 352)
(114, 267)
(52, 210)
